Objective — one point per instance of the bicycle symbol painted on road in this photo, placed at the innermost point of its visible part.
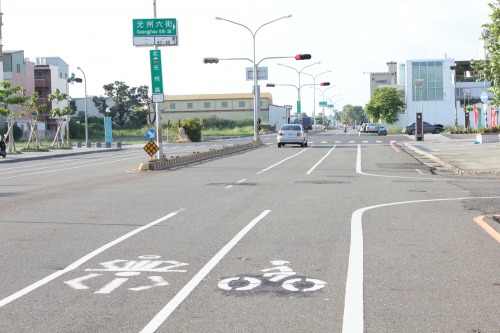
(279, 276)
(125, 269)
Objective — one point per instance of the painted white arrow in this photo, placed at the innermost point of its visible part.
(77, 283)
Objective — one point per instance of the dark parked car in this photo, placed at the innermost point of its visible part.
(428, 128)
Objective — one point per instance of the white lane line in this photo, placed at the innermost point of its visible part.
(82, 260)
(354, 303)
(323, 141)
(163, 315)
(319, 162)
(71, 168)
(238, 182)
(272, 166)
(358, 170)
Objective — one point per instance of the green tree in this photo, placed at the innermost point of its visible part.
(34, 109)
(9, 97)
(385, 104)
(101, 105)
(353, 114)
(489, 69)
(126, 99)
(59, 113)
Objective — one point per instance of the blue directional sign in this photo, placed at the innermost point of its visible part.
(151, 134)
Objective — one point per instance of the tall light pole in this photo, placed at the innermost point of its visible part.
(296, 87)
(314, 97)
(256, 91)
(322, 99)
(86, 119)
(299, 72)
(419, 131)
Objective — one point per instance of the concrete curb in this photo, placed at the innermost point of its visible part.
(163, 164)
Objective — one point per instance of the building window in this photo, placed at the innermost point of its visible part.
(60, 75)
(171, 106)
(224, 104)
(206, 105)
(190, 105)
(18, 68)
(432, 74)
(241, 104)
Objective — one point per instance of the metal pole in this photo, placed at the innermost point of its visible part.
(87, 143)
(256, 95)
(159, 138)
(256, 92)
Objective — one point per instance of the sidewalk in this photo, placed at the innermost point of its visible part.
(456, 152)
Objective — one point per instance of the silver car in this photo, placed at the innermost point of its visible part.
(292, 134)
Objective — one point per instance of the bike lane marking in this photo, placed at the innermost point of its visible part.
(164, 313)
(82, 260)
(492, 232)
(353, 321)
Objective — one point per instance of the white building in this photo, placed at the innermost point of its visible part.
(433, 87)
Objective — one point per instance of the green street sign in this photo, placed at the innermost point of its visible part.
(330, 106)
(158, 32)
(322, 103)
(156, 73)
(298, 107)
(155, 27)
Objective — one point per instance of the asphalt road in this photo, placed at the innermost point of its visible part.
(347, 235)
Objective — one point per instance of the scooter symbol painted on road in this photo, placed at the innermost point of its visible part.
(125, 269)
(281, 272)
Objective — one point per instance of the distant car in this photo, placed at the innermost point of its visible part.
(382, 130)
(292, 134)
(371, 128)
(428, 128)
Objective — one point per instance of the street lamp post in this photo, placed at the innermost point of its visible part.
(256, 91)
(419, 135)
(322, 99)
(314, 97)
(466, 92)
(87, 143)
(299, 72)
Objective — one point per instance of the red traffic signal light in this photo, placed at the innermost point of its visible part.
(325, 84)
(302, 57)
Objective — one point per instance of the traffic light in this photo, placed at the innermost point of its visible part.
(325, 84)
(302, 57)
(210, 60)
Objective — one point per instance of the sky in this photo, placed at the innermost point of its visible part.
(348, 38)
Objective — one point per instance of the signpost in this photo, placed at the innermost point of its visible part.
(484, 99)
(155, 31)
(156, 76)
(151, 148)
(298, 108)
(108, 133)
(151, 134)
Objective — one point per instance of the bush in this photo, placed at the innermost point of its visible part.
(192, 127)
(17, 131)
